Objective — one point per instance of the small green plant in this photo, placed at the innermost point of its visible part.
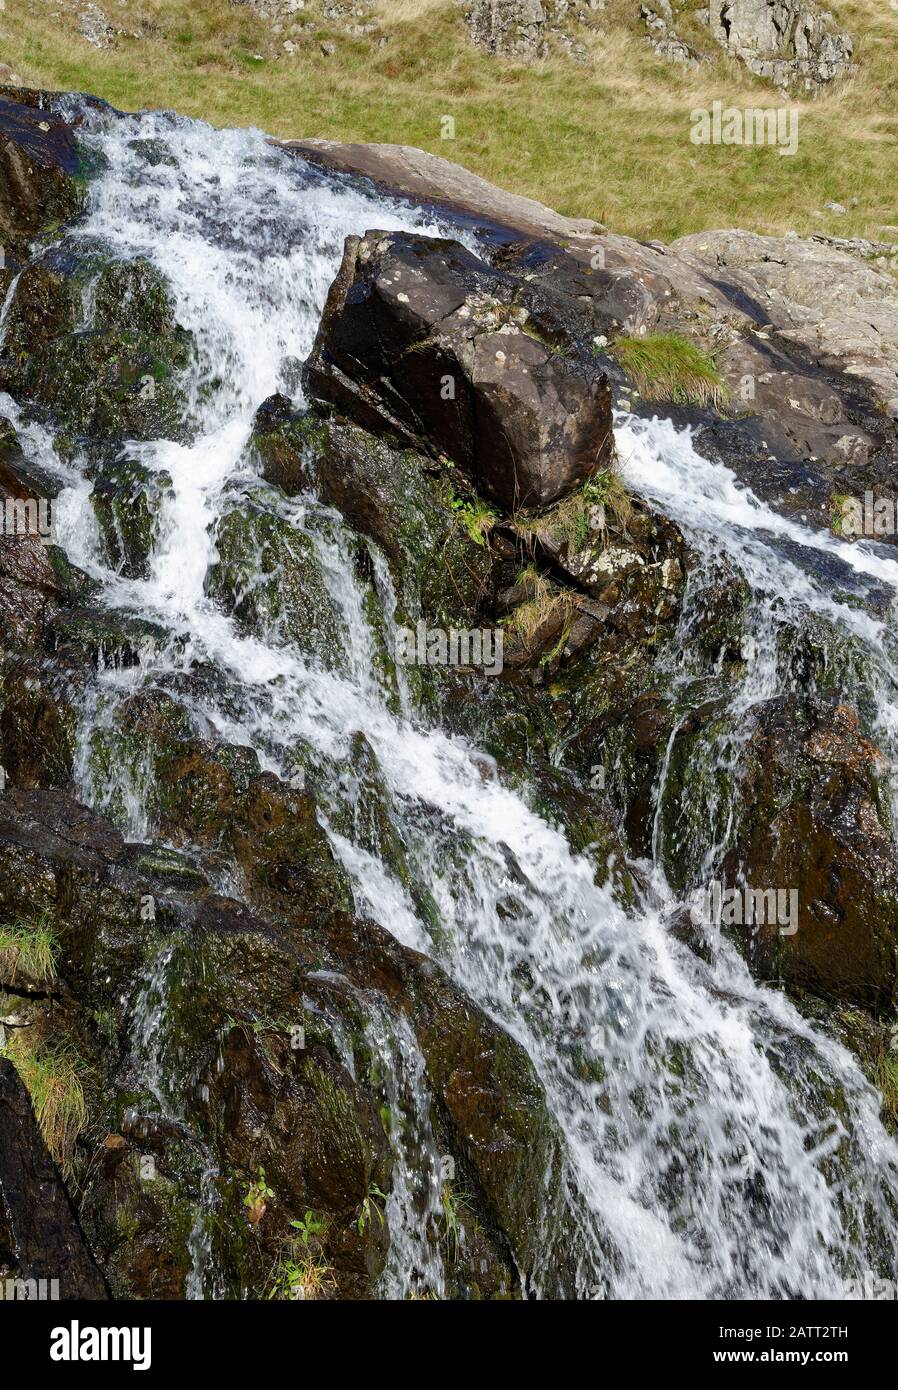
(371, 1208)
(307, 1227)
(453, 1236)
(50, 1075)
(605, 491)
(582, 514)
(302, 1279)
(475, 515)
(837, 513)
(665, 367)
(28, 949)
(257, 1199)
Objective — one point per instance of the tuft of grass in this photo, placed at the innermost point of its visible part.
(452, 1204)
(606, 490)
(837, 514)
(665, 367)
(887, 1081)
(303, 1277)
(546, 605)
(582, 513)
(50, 1075)
(29, 949)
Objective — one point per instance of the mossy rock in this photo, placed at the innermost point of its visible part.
(268, 575)
(40, 165)
(197, 783)
(285, 856)
(114, 386)
(585, 819)
(497, 1112)
(126, 499)
(133, 297)
(699, 791)
(38, 724)
(810, 823)
(361, 812)
(401, 500)
(109, 371)
(104, 637)
(286, 445)
(75, 586)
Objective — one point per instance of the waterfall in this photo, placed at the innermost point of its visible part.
(702, 1156)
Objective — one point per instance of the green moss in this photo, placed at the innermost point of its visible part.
(126, 500)
(477, 517)
(115, 377)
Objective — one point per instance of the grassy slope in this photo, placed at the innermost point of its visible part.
(609, 141)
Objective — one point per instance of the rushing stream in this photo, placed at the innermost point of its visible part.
(731, 1174)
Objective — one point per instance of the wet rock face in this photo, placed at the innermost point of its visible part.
(812, 822)
(38, 161)
(242, 1090)
(421, 339)
(787, 41)
(40, 1238)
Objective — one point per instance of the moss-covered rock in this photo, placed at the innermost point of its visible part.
(126, 498)
(103, 637)
(203, 1081)
(38, 723)
(96, 343)
(403, 501)
(285, 856)
(812, 823)
(267, 573)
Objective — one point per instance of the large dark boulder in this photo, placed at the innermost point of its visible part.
(40, 1239)
(421, 339)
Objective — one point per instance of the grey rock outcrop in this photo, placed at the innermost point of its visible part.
(790, 42)
(841, 309)
(522, 28)
(664, 40)
(515, 28)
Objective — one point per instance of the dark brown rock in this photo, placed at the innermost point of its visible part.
(421, 339)
(812, 823)
(38, 159)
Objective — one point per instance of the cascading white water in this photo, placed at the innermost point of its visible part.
(702, 1157)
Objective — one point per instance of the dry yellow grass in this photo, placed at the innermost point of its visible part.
(609, 140)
